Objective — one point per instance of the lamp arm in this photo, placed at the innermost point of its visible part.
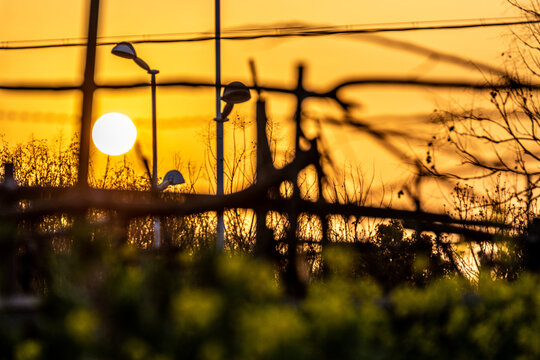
(142, 63)
(226, 110)
(165, 184)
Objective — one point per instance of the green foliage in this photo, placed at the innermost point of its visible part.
(122, 303)
(391, 298)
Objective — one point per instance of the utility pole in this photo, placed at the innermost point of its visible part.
(220, 238)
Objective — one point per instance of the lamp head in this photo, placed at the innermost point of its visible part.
(125, 50)
(236, 93)
(173, 177)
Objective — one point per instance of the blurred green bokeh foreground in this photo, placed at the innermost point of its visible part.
(72, 286)
(103, 302)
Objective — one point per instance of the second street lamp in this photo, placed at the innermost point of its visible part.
(234, 93)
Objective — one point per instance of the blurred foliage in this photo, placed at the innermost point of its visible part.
(124, 303)
(390, 295)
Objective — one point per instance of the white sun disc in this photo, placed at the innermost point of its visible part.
(114, 134)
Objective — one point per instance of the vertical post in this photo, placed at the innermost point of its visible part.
(154, 129)
(8, 238)
(531, 246)
(157, 232)
(157, 225)
(88, 88)
(220, 239)
(291, 276)
(300, 95)
(264, 246)
(9, 176)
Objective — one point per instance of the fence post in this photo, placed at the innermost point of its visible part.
(8, 238)
(293, 283)
(88, 88)
(9, 177)
(264, 245)
(531, 246)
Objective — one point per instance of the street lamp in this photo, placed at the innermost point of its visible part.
(234, 93)
(173, 177)
(127, 51)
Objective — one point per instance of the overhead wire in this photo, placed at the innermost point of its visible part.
(272, 32)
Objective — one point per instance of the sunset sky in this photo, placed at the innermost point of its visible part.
(185, 116)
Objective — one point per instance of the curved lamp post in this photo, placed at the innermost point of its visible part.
(234, 93)
(172, 177)
(127, 51)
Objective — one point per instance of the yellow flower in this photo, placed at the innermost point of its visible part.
(195, 309)
(81, 324)
(28, 350)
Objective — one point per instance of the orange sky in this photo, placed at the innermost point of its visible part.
(184, 116)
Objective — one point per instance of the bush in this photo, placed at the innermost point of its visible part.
(125, 304)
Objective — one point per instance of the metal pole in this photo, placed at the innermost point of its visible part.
(157, 225)
(154, 129)
(88, 87)
(220, 239)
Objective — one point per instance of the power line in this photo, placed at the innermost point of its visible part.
(277, 32)
(270, 28)
(368, 81)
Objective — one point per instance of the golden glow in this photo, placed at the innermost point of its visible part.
(185, 126)
(114, 134)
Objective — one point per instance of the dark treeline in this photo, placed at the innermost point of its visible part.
(384, 251)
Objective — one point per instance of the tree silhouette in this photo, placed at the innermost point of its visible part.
(500, 144)
(392, 257)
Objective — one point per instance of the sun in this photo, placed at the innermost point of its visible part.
(114, 134)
